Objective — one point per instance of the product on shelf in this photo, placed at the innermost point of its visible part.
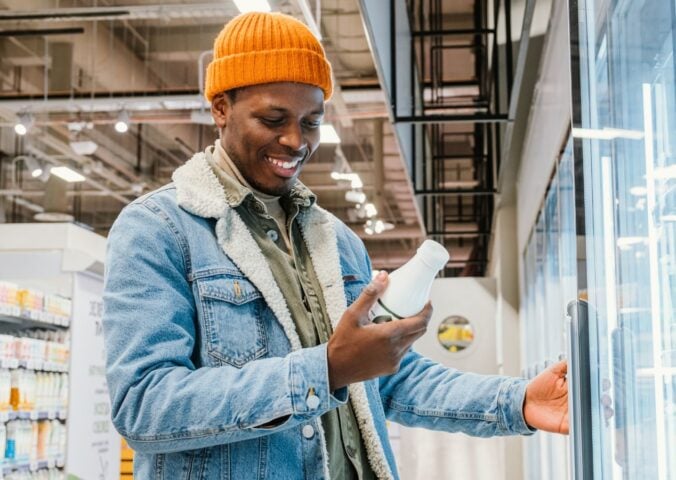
(34, 304)
(31, 302)
(58, 307)
(9, 298)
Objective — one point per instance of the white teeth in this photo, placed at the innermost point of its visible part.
(279, 163)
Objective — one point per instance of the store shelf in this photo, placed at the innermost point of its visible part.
(9, 466)
(32, 318)
(13, 363)
(8, 415)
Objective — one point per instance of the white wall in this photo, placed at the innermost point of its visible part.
(548, 123)
(425, 455)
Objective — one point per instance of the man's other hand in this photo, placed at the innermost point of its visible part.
(546, 404)
(360, 350)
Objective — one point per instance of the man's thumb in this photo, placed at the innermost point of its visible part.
(370, 294)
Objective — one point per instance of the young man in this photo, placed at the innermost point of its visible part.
(238, 343)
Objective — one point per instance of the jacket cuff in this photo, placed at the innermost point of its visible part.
(510, 407)
(310, 394)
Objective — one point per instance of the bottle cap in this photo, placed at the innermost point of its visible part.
(433, 254)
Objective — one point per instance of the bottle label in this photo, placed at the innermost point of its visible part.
(381, 314)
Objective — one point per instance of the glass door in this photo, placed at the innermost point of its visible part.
(624, 128)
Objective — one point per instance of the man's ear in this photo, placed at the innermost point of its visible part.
(220, 106)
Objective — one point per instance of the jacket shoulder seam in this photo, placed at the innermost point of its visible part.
(181, 241)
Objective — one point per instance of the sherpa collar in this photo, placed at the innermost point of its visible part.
(199, 191)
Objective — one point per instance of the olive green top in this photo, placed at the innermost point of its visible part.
(291, 266)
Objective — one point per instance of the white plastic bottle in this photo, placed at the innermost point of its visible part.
(409, 287)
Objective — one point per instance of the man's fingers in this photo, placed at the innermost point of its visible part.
(369, 295)
(408, 326)
(560, 369)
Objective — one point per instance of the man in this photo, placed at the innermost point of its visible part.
(231, 350)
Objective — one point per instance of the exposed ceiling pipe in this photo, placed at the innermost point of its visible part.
(41, 32)
(34, 207)
(132, 12)
(106, 104)
(70, 193)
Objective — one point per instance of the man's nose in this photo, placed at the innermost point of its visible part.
(293, 138)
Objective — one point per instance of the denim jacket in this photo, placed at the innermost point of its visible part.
(205, 369)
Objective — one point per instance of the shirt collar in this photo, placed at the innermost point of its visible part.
(236, 193)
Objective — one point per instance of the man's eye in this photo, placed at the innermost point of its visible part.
(273, 121)
(312, 125)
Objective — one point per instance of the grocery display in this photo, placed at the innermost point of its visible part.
(34, 355)
(54, 406)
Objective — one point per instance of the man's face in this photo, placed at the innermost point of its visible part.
(270, 131)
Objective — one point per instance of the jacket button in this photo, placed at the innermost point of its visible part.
(308, 431)
(312, 402)
(272, 235)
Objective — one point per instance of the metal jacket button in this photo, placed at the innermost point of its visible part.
(272, 235)
(308, 431)
(312, 402)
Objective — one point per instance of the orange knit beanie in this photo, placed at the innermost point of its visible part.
(255, 48)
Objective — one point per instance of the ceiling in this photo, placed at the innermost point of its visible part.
(74, 66)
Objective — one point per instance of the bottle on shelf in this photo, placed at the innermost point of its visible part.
(409, 286)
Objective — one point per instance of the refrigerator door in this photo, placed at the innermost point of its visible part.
(624, 129)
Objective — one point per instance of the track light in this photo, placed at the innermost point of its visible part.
(122, 123)
(67, 174)
(33, 166)
(355, 196)
(24, 124)
(376, 226)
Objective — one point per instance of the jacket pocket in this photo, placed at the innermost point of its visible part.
(188, 465)
(233, 327)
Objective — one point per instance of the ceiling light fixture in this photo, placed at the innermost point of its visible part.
(355, 196)
(353, 178)
(67, 174)
(376, 226)
(328, 134)
(370, 210)
(24, 124)
(83, 147)
(122, 123)
(245, 6)
(32, 165)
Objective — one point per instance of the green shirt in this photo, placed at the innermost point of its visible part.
(295, 275)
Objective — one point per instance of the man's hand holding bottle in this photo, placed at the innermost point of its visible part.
(360, 350)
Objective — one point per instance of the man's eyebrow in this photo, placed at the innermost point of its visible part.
(285, 110)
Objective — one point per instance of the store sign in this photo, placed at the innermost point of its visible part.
(93, 444)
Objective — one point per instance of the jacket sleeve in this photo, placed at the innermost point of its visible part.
(428, 395)
(160, 401)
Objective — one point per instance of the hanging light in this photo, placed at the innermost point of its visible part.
(355, 196)
(376, 226)
(122, 123)
(33, 166)
(370, 210)
(24, 123)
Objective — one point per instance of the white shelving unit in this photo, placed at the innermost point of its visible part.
(66, 260)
